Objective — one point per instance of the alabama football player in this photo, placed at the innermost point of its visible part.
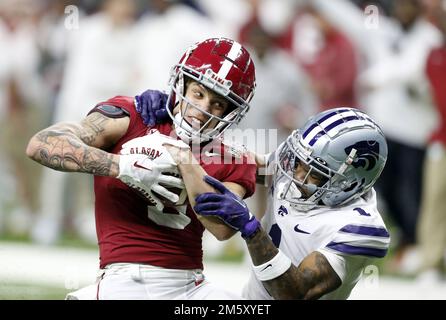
(149, 237)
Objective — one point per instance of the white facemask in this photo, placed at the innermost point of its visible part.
(184, 131)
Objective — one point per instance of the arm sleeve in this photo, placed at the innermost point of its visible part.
(363, 240)
(353, 243)
(345, 266)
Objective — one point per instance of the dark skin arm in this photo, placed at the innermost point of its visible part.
(313, 278)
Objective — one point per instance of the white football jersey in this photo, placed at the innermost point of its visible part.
(349, 237)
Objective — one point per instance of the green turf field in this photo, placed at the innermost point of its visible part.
(11, 291)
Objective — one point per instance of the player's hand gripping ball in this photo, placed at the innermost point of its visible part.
(146, 166)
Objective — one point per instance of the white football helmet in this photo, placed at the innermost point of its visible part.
(343, 146)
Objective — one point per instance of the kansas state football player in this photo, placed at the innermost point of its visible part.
(322, 226)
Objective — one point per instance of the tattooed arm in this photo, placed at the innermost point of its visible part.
(75, 147)
(313, 278)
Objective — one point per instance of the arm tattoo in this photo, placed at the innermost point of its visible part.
(313, 278)
(261, 248)
(67, 147)
(94, 125)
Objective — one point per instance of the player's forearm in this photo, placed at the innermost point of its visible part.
(193, 174)
(61, 148)
(215, 226)
(290, 284)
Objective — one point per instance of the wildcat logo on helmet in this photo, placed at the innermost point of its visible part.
(366, 155)
(150, 152)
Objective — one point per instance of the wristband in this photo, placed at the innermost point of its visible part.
(273, 268)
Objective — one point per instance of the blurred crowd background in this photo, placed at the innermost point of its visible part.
(59, 58)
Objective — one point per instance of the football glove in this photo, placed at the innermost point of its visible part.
(143, 174)
(151, 104)
(148, 167)
(228, 207)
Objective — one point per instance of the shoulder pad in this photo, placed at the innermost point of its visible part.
(110, 111)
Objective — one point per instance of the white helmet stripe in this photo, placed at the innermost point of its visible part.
(232, 55)
(326, 123)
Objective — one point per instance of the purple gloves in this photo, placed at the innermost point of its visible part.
(151, 104)
(228, 207)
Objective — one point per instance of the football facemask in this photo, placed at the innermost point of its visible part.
(344, 147)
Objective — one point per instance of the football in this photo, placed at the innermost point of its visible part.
(152, 146)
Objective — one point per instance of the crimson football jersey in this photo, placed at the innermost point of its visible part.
(129, 230)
